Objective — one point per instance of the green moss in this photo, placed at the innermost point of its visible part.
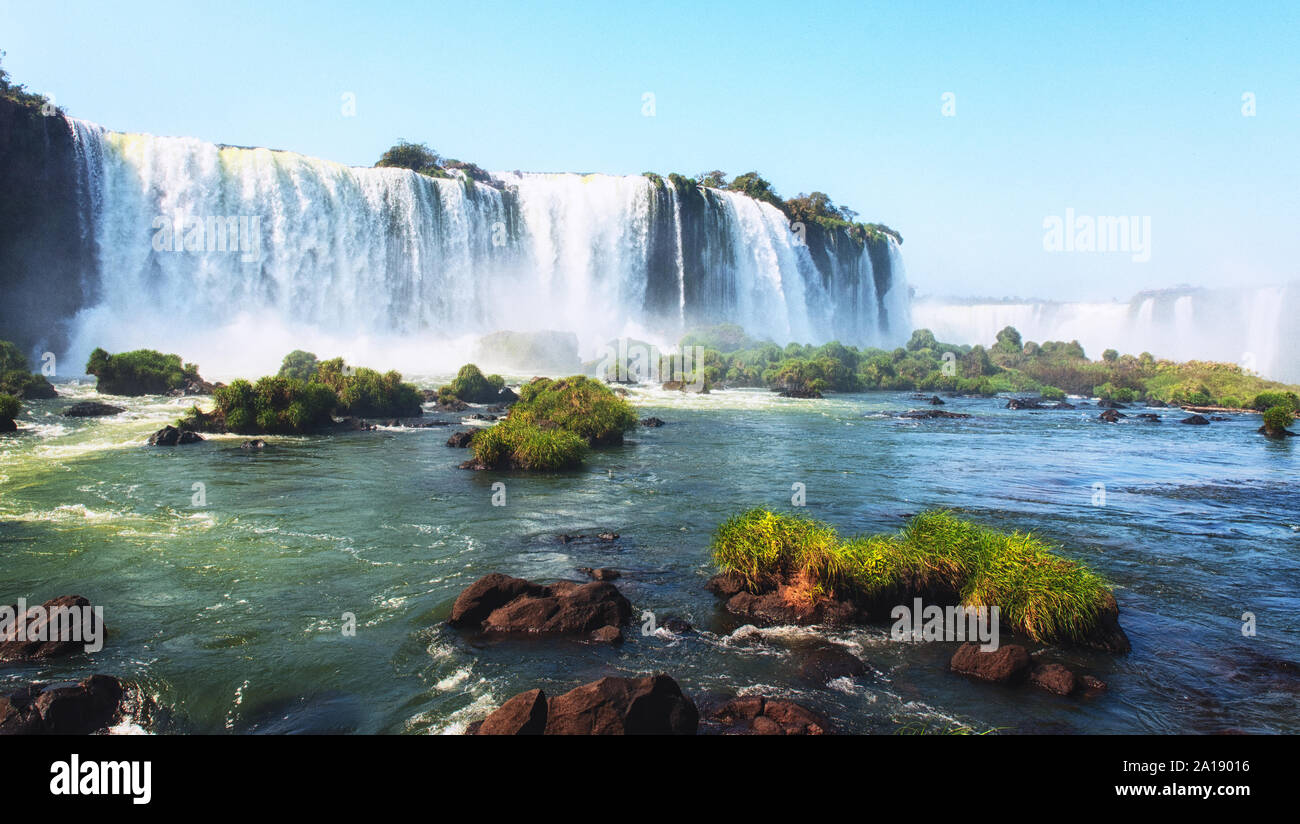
(1045, 596)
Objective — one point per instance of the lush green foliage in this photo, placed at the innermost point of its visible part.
(1267, 400)
(10, 406)
(417, 157)
(368, 393)
(19, 94)
(274, 405)
(471, 386)
(299, 364)
(579, 405)
(1039, 593)
(141, 372)
(520, 442)
(1053, 368)
(1278, 418)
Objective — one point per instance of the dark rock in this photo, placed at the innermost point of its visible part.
(1023, 403)
(91, 409)
(607, 536)
(935, 400)
(695, 387)
(1276, 433)
(8, 425)
(256, 443)
(651, 422)
(1149, 416)
(1007, 664)
(171, 436)
(607, 635)
(479, 416)
(451, 405)
(499, 603)
(506, 396)
(462, 439)
(49, 621)
(1219, 418)
(525, 714)
(1195, 420)
(62, 709)
(794, 392)
(1106, 634)
(931, 413)
(1091, 683)
(651, 705)
(824, 664)
(1104, 404)
(1111, 416)
(1054, 678)
(677, 626)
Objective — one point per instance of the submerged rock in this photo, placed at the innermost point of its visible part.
(601, 573)
(922, 414)
(171, 436)
(1111, 416)
(67, 708)
(649, 705)
(1104, 404)
(500, 603)
(256, 443)
(651, 422)
(91, 409)
(1195, 420)
(824, 664)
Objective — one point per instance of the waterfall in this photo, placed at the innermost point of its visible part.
(1241, 325)
(233, 256)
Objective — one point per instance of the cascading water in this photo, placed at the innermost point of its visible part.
(233, 256)
(1243, 326)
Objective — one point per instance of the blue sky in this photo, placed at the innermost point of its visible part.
(1114, 109)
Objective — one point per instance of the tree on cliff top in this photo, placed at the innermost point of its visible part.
(18, 93)
(417, 157)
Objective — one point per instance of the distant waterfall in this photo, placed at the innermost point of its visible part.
(231, 254)
(1243, 326)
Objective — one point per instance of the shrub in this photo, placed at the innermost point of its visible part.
(9, 406)
(367, 393)
(1045, 596)
(579, 405)
(299, 364)
(1267, 400)
(141, 372)
(471, 386)
(1051, 393)
(519, 442)
(1276, 419)
(273, 406)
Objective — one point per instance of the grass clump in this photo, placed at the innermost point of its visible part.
(937, 556)
(141, 372)
(579, 405)
(519, 442)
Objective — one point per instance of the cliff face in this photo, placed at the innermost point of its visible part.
(46, 261)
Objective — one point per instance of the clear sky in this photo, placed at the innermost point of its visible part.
(1115, 109)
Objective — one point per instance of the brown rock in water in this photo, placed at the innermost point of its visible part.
(608, 635)
(525, 714)
(1111, 416)
(500, 603)
(171, 436)
(1053, 678)
(650, 705)
(50, 621)
(62, 709)
(1195, 420)
(462, 439)
(91, 409)
(1007, 664)
(756, 715)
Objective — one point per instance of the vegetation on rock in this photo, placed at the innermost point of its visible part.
(141, 372)
(1039, 593)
